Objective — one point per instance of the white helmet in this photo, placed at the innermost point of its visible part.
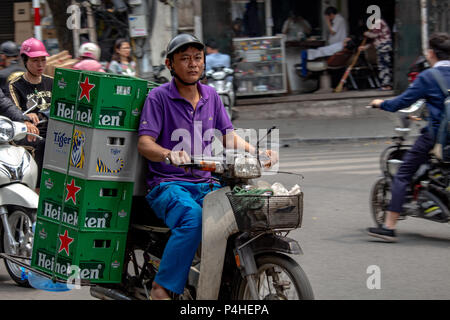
(90, 50)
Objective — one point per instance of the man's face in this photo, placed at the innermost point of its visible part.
(36, 65)
(189, 65)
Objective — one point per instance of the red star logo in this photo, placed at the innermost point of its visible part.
(72, 191)
(65, 242)
(86, 88)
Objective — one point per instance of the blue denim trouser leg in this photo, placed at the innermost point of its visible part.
(179, 205)
(412, 160)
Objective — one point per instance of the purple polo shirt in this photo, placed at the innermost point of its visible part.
(172, 121)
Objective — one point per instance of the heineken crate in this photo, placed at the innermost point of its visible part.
(107, 101)
(86, 205)
(66, 253)
(95, 154)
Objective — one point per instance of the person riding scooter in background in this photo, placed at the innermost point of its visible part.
(34, 89)
(176, 196)
(89, 57)
(424, 87)
(214, 58)
(9, 55)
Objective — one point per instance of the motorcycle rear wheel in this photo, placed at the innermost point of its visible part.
(21, 222)
(279, 277)
(380, 197)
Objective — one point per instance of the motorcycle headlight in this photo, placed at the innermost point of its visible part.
(247, 167)
(6, 130)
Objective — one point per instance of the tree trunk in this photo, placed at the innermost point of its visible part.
(60, 16)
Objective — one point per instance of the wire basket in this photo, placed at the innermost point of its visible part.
(260, 212)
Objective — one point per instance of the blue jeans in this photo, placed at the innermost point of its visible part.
(179, 205)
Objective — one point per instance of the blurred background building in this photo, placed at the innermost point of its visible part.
(149, 24)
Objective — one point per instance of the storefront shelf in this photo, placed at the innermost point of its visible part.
(262, 71)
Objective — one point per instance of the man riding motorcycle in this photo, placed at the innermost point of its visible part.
(186, 109)
(424, 87)
(89, 56)
(9, 55)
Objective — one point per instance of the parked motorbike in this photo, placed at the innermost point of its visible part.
(157, 74)
(220, 79)
(244, 249)
(159, 69)
(18, 200)
(428, 196)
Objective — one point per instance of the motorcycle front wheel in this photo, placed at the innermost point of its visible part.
(21, 224)
(279, 278)
(380, 197)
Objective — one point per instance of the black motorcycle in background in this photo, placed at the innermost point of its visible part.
(428, 195)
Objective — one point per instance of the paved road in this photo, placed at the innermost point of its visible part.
(10, 291)
(337, 252)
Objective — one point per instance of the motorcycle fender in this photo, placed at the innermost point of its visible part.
(20, 195)
(275, 243)
(218, 224)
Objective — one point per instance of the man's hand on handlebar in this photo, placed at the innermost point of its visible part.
(376, 103)
(31, 128)
(179, 157)
(33, 118)
(270, 158)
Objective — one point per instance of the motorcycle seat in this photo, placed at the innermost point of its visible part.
(143, 217)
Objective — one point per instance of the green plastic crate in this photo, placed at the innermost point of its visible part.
(65, 253)
(106, 101)
(89, 205)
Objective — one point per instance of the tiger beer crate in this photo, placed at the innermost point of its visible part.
(106, 101)
(95, 154)
(85, 205)
(66, 253)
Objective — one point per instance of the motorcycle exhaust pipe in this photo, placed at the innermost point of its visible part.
(107, 294)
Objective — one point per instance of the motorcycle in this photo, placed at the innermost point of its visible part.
(220, 79)
(244, 250)
(157, 74)
(158, 70)
(428, 196)
(18, 200)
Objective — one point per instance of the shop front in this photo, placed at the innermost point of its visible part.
(265, 52)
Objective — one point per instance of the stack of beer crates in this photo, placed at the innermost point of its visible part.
(88, 175)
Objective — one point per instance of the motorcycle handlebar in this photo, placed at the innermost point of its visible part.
(35, 135)
(202, 165)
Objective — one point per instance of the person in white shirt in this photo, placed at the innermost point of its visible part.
(337, 29)
(296, 27)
